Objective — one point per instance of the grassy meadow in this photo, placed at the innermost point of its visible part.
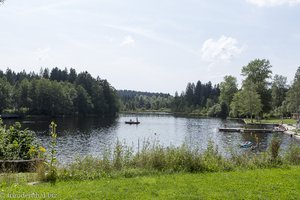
(272, 121)
(278, 183)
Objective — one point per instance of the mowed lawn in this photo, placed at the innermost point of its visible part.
(272, 121)
(252, 184)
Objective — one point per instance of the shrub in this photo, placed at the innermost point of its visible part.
(17, 144)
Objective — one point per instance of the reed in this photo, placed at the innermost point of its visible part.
(154, 158)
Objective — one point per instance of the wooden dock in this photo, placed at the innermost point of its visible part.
(250, 130)
(230, 129)
(258, 130)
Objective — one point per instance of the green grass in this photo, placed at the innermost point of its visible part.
(16, 178)
(272, 121)
(252, 184)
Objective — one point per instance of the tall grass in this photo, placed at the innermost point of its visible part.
(292, 155)
(154, 158)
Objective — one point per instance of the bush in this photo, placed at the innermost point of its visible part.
(214, 111)
(17, 144)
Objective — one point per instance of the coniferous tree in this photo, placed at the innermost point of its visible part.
(57, 93)
(293, 95)
(279, 89)
(5, 94)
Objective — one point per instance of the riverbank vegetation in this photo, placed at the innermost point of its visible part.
(154, 158)
(56, 93)
(158, 172)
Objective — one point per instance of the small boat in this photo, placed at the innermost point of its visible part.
(246, 144)
(132, 122)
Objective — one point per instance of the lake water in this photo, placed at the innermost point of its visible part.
(92, 136)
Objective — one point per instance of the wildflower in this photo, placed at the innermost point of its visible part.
(32, 149)
(42, 149)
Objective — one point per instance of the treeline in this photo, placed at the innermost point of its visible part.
(260, 95)
(196, 98)
(135, 100)
(64, 92)
(56, 92)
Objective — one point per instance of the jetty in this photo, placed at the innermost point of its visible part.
(250, 130)
(230, 129)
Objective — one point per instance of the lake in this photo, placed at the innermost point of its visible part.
(92, 136)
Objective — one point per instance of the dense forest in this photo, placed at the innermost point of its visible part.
(196, 98)
(56, 92)
(143, 101)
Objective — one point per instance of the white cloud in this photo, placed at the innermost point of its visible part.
(152, 35)
(262, 3)
(128, 41)
(223, 49)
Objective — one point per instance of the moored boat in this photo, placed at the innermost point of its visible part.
(246, 144)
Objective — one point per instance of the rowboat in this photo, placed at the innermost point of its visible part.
(132, 122)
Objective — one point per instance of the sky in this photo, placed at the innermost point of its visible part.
(157, 45)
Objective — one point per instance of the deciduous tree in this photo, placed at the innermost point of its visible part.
(259, 72)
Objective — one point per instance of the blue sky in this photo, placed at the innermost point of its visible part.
(157, 45)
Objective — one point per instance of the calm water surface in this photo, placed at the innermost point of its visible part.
(91, 136)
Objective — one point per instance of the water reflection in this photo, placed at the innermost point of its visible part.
(91, 136)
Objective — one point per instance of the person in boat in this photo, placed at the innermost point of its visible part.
(136, 119)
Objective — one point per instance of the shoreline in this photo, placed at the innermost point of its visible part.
(289, 131)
